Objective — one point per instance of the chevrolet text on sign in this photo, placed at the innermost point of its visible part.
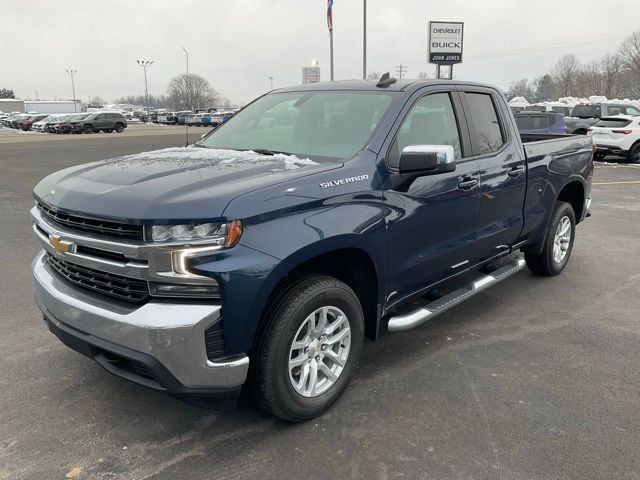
(445, 42)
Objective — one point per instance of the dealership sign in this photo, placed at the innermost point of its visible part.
(445, 42)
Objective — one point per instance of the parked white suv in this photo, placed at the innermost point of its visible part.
(617, 135)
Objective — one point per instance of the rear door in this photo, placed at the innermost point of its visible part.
(431, 232)
(503, 177)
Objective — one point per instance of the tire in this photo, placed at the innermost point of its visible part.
(88, 129)
(272, 376)
(119, 128)
(108, 130)
(634, 154)
(557, 248)
(598, 157)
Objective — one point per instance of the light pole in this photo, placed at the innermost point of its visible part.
(187, 54)
(73, 88)
(271, 80)
(144, 64)
(364, 41)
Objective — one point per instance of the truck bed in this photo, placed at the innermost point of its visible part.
(540, 145)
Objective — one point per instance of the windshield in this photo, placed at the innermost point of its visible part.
(325, 126)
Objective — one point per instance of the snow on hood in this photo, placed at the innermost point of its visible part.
(213, 158)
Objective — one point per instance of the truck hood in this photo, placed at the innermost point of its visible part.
(171, 185)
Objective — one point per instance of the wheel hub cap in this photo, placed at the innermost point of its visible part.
(562, 240)
(319, 351)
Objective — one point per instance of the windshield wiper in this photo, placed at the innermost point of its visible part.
(265, 151)
(199, 145)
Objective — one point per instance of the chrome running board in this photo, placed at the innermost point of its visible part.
(417, 317)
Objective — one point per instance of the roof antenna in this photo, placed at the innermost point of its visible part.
(385, 81)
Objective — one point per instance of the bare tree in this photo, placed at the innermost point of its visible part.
(373, 76)
(188, 91)
(589, 80)
(423, 76)
(630, 56)
(611, 68)
(565, 73)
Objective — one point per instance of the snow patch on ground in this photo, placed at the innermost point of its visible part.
(217, 158)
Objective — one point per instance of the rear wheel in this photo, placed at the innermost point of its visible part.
(88, 129)
(598, 156)
(634, 154)
(309, 349)
(558, 243)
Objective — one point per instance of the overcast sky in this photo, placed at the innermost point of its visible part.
(238, 44)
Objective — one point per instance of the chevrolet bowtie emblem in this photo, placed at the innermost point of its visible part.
(59, 245)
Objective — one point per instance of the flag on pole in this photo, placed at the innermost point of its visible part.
(330, 14)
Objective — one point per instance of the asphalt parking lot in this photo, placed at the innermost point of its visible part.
(535, 378)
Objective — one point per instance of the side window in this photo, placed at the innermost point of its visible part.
(522, 121)
(614, 110)
(483, 114)
(631, 111)
(431, 121)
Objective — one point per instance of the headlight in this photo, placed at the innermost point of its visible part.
(225, 235)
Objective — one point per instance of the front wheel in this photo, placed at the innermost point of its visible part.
(119, 128)
(558, 243)
(88, 129)
(309, 348)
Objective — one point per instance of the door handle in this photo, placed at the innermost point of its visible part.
(515, 172)
(467, 184)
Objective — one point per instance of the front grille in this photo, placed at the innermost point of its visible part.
(214, 341)
(92, 225)
(124, 288)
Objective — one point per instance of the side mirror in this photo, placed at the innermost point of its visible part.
(421, 160)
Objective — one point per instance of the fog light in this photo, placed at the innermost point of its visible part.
(183, 290)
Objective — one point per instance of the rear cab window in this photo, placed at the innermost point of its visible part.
(487, 131)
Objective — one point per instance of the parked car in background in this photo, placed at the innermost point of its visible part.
(56, 126)
(540, 122)
(43, 125)
(189, 120)
(617, 135)
(535, 108)
(100, 122)
(168, 118)
(28, 122)
(68, 125)
(565, 110)
(183, 115)
(585, 116)
(219, 118)
(14, 122)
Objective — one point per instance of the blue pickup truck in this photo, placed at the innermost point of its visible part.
(316, 217)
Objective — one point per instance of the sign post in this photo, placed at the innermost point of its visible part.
(445, 45)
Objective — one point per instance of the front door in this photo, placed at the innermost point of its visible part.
(431, 227)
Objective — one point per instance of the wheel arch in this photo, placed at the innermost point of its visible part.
(342, 258)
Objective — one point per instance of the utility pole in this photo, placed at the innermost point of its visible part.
(73, 88)
(401, 71)
(364, 40)
(271, 80)
(37, 95)
(144, 64)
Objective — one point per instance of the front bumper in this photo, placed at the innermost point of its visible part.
(159, 344)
